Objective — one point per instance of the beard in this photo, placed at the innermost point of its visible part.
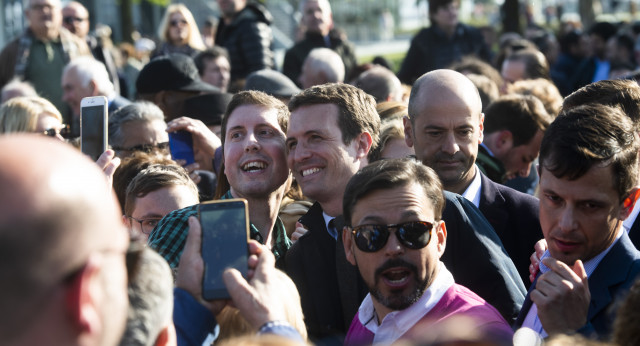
(396, 299)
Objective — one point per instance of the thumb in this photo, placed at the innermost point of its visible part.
(578, 268)
(194, 238)
(239, 289)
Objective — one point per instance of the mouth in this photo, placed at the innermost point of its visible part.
(254, 166)
(396, 277)
(565, 246)
(309, 171)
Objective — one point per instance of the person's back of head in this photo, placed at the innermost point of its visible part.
(17, 88)
(625, 330)
(522, 115)
(543, 89)
(487, 89)
(150, 303)
(617, 93)
(89, 70)
(536, 65)
(472, 65)
(61, 241)
(21, 114)
(380, 83)
(321, 66)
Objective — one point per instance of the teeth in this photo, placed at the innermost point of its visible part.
(310, 171)
(253, 166)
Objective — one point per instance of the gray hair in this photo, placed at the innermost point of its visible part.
(16, 88)
(137, 111)
(329, 62)
(88, 69)
(150, 300)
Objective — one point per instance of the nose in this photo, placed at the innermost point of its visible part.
(567, 220)
(449, 144)
(393, 248)
(251, 143)
(300, 153)
(524, 172)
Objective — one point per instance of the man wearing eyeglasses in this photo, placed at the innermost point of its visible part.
(394, 234)
(62, 247)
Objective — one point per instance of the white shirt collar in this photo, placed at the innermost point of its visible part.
(332, 231)
(397, 323)
(472, 193)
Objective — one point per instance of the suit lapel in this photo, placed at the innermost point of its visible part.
(491, 205)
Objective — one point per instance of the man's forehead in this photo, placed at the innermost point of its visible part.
(262, 115)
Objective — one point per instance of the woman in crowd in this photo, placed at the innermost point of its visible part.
(179, 32)
(31, 114)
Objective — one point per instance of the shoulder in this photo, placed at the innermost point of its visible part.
(169, 236)
(510, 195)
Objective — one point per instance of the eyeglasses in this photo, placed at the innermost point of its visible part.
(146, 225)
(147, 148)
(178, 22)
(412, 235)
(71, 20)
(63, 131)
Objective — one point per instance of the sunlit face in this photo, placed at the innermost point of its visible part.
(156, 204)
(73, 91)
(396, 148)
(320, 161)
(76, 19)
(254, 154)
(178, 29)
(45, 18)
(316, 16)
(217, 72)
(395, 275)
(445, 134)
(580, 218)
(517, 160)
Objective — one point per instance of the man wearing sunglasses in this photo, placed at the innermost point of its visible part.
(62, 247)
(395, 235)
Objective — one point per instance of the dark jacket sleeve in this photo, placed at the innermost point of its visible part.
(410, 68)
(475, 256)
(256, 41)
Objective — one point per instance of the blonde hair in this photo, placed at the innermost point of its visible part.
(194, 39)
(20, 114)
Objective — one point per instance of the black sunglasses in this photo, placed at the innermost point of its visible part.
(64, 131)
(71, 20)
(147, 148)
(412, 235)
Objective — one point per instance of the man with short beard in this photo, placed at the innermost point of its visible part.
(410, 288)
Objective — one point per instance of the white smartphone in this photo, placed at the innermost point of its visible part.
(93, 126)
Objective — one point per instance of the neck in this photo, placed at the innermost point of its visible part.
(332, 207)
(460, 186)
(263, 212)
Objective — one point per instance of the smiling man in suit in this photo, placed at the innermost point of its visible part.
(588, 175)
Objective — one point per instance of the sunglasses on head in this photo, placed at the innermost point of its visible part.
(412, 235)
(178, 22)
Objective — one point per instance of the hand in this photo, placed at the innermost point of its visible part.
(203, 139)
(264, 297)
(299, 232)
(108, 163)
(191, 268)
(191, 170)
(534, 267)
(562, 296)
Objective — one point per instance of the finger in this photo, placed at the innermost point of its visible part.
(255, 248)
(540, 247)
(111, 167)
(295, 236)
(578, 268)
(266, 262)
(239, 289)
(181, 162)
(192, 245)
(192, 167)
(564, 271)
(105, 158)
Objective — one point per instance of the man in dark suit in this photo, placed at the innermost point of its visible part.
(588, 175)
(445, 125)
(331, 130)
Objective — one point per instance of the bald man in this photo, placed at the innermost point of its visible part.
(445, 126)
(62, 247)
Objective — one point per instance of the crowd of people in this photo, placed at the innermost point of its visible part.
(484, 194)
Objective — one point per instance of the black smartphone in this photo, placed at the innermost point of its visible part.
(93, 126)
(181, 146)
(225, 233)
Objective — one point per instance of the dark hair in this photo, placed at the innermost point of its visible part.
(522, 115)
(569, 40)
(536, 65)
(434, 5)
(589, 135)
(357, 109)
(605, 30)
(156, 177)
(473, 65)
(618, 93)
(389, 174)
(210, 54)
(243, 98)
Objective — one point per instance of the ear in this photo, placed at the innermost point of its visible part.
(628, 203)
(503, 142)
(126, 221)
(93, 86)
(347, 241)
(441, 237)
(481, 128)
(408, 131)
(363, 145)
(81, 298)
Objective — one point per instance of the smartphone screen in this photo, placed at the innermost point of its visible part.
(181, 146)
(225, 233)
(93, 132)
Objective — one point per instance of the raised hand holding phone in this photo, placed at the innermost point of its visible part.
(93, 126)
